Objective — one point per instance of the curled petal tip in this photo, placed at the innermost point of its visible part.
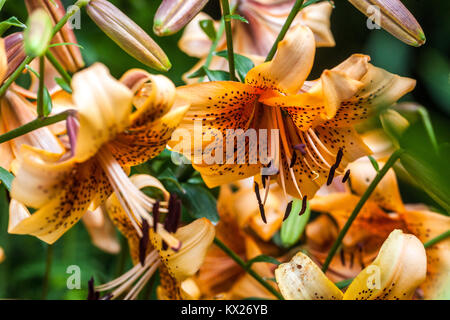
(127, 34)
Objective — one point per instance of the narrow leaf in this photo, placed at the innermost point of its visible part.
(63, 85)
(243, 64)
(6, 177)
(374, 163)
(262, 258)
(208, 28)
(235, 17)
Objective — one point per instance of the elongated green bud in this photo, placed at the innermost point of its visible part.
(394, 124)
(38, 33)
(393, 17)
(127, 34)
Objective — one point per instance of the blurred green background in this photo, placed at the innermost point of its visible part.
(21, 274)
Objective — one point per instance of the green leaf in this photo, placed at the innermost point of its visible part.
(208, 28)
(344, 283)
(6, 177)
(63, 84)
(235, 17)
(65, 44)
(11, 22)
(243, 64)
(174, 185)
(217, 75)
(262, 258)
(293, 227)
(2, 3)
(199, 202)
(374, 163)
(48, 105)
(213, 75)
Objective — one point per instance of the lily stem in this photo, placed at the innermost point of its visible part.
(227, 20)
(33, 125)
(435, 240)
(298, 5)
(429, 127)
(390, 162)
(250, 271)
(64, 74)
(48, 270)
(40, 97)
(78, 5)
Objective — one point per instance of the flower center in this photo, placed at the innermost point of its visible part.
(135, 203)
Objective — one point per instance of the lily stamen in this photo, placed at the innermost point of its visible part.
(135, 203)
(125, 281)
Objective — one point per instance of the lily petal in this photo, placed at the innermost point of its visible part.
(398, 270)
(427, 225)
(101, 231)
(291, 65)
(302, 279)
(104, 108)
(196, 239)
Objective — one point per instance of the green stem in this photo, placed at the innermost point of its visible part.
(391, 161)
(250, 271)
(298, 5)
(40, 97)
(226, 13)
(440, 237)
(48, 270)
(33, 125)
(428, 127)
(79, 4)
(64, 74)
(14, 75)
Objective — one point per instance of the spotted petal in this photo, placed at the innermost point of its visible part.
(398, 270)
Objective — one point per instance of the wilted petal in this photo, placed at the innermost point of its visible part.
(399, 269)
(395, 18)
(172, 15)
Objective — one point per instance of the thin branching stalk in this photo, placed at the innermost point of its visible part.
(298, 5)
(391, 161)
(40, 97)
(33, 125)
(64, 74)
(435, 240)
(226, 18)
(48, 270)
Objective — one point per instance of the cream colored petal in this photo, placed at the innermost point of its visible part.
(386, 194)
(194, 41)
(399, 269)
(427, 225)
(17, 213)
(101, 230)
(196, 239)
(302, 279)
(291, 65)
(317, 18)
(104, 107)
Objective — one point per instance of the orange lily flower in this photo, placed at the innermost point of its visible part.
(266, 18)
(382, 213)
(317, 117)
(219, 276)
(398, 270)
(107, 137)
(176, 267)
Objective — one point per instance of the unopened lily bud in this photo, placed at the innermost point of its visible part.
(38, 33)
(172, 15)
(69, 56)
(127, 34)
(15, 52)
(394, 124)
(393, 17)
(409, 110)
